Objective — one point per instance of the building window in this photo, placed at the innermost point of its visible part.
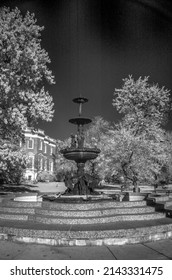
(31, 162)
(30, 143)
(45, 165)
(45, 148)
(41, 164)
(40, 144)
(51, 166)
(51, 150)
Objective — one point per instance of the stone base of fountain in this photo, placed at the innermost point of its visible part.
(85, 183)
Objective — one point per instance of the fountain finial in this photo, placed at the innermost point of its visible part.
(80, 100)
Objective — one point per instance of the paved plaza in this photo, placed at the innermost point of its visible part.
(159, 250)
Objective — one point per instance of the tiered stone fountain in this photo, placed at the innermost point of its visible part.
(78, 152)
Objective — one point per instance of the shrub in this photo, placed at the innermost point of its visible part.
(45, 176)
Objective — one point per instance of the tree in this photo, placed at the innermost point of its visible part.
(142, 104)
(95, 131)
(134, 158)
(23, 72)
(139, 144)
(166, 176)
(94, 137)
(13, 160)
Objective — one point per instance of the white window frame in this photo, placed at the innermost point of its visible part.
(30, 139)
(51, 150)
(45, 164)
(40, 145)
(41, 164)
(45, 148)
(51, 166)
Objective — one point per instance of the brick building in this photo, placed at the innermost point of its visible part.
(40, 149)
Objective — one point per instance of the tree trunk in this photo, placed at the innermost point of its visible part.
(136, 188)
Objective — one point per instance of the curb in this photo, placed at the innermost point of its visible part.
(87, 242)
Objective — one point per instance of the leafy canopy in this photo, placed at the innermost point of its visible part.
(141, 103)
(23, 71)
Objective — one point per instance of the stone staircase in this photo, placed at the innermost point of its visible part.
(87, 223)
(162, 203)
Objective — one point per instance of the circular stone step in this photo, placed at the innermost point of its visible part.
(74, 214)
(57, 205)
(17, 210)
(82, 221)
(95, 213)
(87, 238)
(14, 217)
(96, 220)
(24, 204)
(91, 205)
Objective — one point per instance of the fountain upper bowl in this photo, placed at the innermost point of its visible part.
(80, 155)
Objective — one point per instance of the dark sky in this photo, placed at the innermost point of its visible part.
(94, 44)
